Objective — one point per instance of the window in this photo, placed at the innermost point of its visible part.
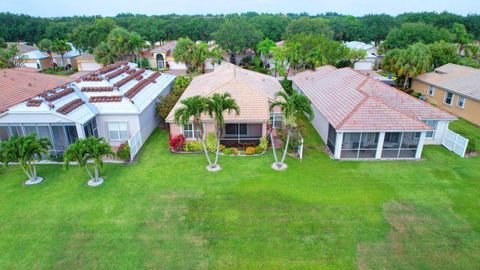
(461, 102)
(90, 128)
(432, 123)
(448, 98)
(3, 133)
(431, 90)
(118, 131)
(188, 131)
(276, 119)
(332, 138)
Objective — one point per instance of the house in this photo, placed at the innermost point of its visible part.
(86, 62)
(68, 61)
(453, 88)
(161, 57)
(253, 92)
(36, 59)
(371, 60)
(117, 102)
(359, 117)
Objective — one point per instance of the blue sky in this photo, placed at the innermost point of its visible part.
(53, 8)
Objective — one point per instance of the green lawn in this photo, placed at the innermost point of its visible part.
(468, 130)
(167, 212)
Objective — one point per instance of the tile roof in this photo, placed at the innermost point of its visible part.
(251, 90)
(352, 101)
(165, 48)
(97, 89)
(462, 80)
(69, 107)
(99, 99)
(18, 86)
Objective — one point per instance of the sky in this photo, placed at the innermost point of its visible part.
(55, 8)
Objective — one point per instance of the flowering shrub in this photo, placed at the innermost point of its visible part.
(123, 152)
(176, 142)
(193, 146)
(250, 151)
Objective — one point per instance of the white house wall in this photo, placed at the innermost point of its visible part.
(321, 124)
(132, 121)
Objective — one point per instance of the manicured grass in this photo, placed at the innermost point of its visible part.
(167, 212)
(468, 130)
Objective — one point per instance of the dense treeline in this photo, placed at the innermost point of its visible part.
(200, 27)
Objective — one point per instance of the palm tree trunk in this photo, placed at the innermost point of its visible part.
(286, 147)
(206, 153)
(273, 148)
(405, 83)
(218, 150)
(34, 170)
(88, 172)
(96, 172)
(26, 171)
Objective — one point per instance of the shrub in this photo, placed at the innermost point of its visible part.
(211, 142)
(259, 150)
(176, 142)
(123, 152)
(287, 86)
(193, 146)
(228, 151)
(250, 151)
(222, 147)
(416, 94)
(295, 138)
(235, 151)
(263, 143)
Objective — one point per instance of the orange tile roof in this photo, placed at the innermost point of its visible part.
(352, 101)
(17, 86)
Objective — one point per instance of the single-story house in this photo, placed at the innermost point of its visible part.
(362, 118)
(454, 88)
(69, 58)
(36, 59)
(161, 57)
(253, 92)
(87, 62)
(371, 60)
(116, 103)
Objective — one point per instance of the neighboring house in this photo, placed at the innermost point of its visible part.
(69, 60)
(161, 57)
(361, 118)
(86, 62)
(36, 59)
(115, 103)
(22, 47)
(371, 61)
(453, 88)
(253, 92)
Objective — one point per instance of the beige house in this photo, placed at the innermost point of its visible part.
(454, 88)
(253, 92)
(86, 62)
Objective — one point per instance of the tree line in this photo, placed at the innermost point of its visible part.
(91, 30)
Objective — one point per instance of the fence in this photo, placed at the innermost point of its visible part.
(455, 142)
(135, 143)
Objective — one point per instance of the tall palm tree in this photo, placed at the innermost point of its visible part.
(291, 106)
(46, 45)
(26, 150)
(84, 150)
(61, 47)
(415, 61)
(216, 105)
(183, 52)
(194, 107)
(200, 54)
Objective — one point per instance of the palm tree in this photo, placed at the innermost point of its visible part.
(415, 61)
(291, 106)
(26, 150)
(216, 105)
(194, 107)
(84, 150)
(200, 54)
(61, 47)
(183, 52)
(135, 44)
(47, 46)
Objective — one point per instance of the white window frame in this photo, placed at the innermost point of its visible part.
(273, 119)
(118, 131)
(432, 123)
(463, 99)
(445, 98)
(431, 90)
(192, 130)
